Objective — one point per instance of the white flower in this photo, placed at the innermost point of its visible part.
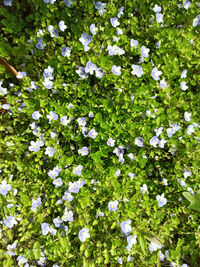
(110, 142)
(83, 151)
(143, 189)
(187, 116)
(161, 200)
(114, 21)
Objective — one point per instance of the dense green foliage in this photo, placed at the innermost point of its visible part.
(122, 107)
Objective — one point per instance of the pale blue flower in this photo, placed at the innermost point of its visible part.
(115, 50)
(86, 48)
(165, 181)
(47, 83)
(93, 29)
(83, 151)
(21, 74)
(92, 133)
(4, 188)
(158, 131)
(101, 7)
(120, 13)
(11, 249)
(129, 258)
(53, 32)
(66, 51)
(162, 143)
(39, 44)
(186, 4)
(68, 196)
(119, 260)
(126, 227)
(132, 240)
(183, 85)
(77, 170)
(52, 116)
(154, 141)
(68, 216)
(119, 31)
(158, 44)
(121, 158)
(110, 142)
(114, 21)
(62, 26)
(139, 141)
(133, 43)
(64, 120)
(131, 156)
(90, 114)
(163, 83)
(49, 1)
(68, 3)
(117, 173)
(112, 205)
(81, 72)
(145, 51)
(81, 183)
(48, 73)
(183, 74)
(196, 21)
(3, 91)
(154, 246)
(36, 115)
(34, 146)
(99, 73)
(49, 151)
(82, 121)
(58, 182)
(189, 189)
(46, 228)
(190, 128)
(182, 182)
(85, 39)
(57, 221)
(137, 70)
(83, 234)
(161, 200)
(157, 8)
(174, 128)
(100, 214)
(42, 260)
(9, 221)
(7, 2)
(162, 256)
(53, 134)
(90, 67)
(116, 70)
(131, 175)
(155, 73)
(186, 174)
(36, 203)
(118, 150)
(53, 174)
(159, 17)
(84, 131)
(22, 260)
(187, 116)
(143, 188)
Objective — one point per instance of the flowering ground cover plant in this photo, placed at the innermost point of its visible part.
(100, 135)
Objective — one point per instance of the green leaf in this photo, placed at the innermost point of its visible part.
(142, 242)
(194, 200)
